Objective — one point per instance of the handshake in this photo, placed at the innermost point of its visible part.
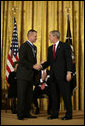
(37, 66)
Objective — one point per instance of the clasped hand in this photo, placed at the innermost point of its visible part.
(68, 77)
(37, 66)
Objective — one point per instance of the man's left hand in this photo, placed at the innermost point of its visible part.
(68, 76)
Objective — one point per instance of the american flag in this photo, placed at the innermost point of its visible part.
(13, 55)
(69, 42)
(69, 38)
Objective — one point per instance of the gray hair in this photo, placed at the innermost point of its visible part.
(56, 33)
(31, 31)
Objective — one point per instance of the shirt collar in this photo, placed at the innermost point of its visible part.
(56, 44)
(30, 42)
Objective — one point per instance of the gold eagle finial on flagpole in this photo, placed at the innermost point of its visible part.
(67, 10)
(14, 9)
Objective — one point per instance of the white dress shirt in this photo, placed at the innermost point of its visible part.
(30, 42)
(34, 51)
(56, 45)
(45, 78)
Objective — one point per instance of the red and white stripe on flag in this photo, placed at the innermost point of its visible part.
(13, 55)
(10, 61)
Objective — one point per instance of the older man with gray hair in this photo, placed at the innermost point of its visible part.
(60, 62)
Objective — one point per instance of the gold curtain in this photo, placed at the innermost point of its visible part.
(45, 16)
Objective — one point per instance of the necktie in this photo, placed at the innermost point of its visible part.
(54, 51)
(42, 86)
(33, 50)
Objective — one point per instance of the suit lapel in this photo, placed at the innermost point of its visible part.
(35, 50)
(31, 52)
(35, 54)
(51, 54)
(57, 50)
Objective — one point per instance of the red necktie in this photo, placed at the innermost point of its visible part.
(54, 51)
(42, 86)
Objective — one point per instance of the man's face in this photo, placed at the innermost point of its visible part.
(33, 37)
(51, 37)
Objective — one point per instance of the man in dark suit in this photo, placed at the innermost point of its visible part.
(60, 62)
(42, 87)
(25, 73)
(12, 88)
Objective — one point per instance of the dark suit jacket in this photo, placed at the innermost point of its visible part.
(12, 90)
(62, 62)
(25, 69)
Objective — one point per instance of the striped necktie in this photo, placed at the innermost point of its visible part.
(54, 51)
(33, 50)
